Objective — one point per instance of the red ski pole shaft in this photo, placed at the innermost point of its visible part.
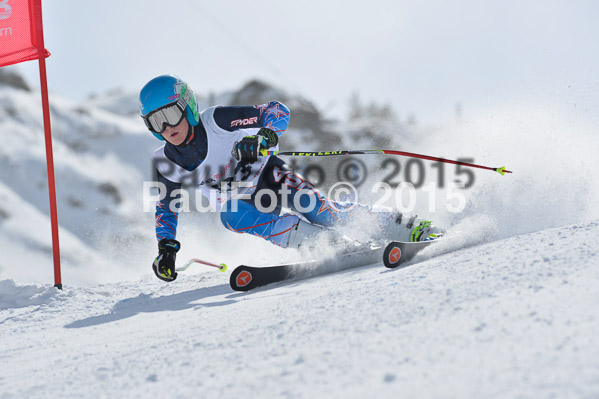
(501, 170)
(203, 262)
(222, 267)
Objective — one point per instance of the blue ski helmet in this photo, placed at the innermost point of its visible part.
(168, 89)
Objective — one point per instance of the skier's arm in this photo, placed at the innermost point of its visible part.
(166, 219)
(166, 230)
(273, 115)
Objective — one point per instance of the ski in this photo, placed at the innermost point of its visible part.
(398, 252)
(245, 278)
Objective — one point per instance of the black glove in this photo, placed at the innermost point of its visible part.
(248, 149)
(164, 264)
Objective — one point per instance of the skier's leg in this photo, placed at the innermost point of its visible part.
(357, 219)
(299, 195)
(353, 219)
(247, 219)
(286, 231)
(306, 233)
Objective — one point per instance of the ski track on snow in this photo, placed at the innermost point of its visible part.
(511, 318)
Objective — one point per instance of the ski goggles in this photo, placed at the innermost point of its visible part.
(168, 115)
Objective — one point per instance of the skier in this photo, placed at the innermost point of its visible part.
(215, 149)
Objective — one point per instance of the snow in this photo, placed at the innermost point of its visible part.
(100, 159)
(13, 295)
(508, 318)
(26, 231)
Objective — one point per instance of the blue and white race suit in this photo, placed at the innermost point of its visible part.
(206, 164)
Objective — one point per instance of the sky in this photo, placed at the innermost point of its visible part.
(423, 58)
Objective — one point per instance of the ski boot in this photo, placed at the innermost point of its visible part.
(398, 227)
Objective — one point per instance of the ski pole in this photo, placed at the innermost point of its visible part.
(222, 267)
(501, 170)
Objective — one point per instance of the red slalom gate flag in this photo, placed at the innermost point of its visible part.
(20, 30)
(22, 39)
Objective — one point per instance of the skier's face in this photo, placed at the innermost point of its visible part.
(176, 134)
